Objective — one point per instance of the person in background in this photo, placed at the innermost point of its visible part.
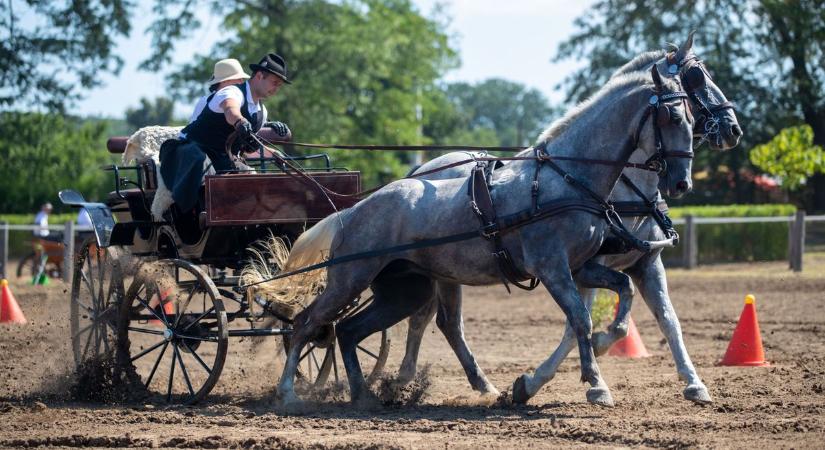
(84, 219)
(42, 222)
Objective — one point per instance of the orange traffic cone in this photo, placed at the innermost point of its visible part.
(630, 346)
(168, 307)
(10, 311)
(745, 348)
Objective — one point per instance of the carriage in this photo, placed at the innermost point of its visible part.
(164, 296)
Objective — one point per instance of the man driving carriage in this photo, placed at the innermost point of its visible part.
(235, 108)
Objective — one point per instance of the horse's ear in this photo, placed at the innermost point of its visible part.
(686, 46)
(657, 79)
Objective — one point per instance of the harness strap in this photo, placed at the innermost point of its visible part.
(482, 205)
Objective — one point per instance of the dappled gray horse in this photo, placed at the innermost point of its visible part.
(646, 269)
(634, 111)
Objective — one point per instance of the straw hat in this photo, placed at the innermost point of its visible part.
(227, 69)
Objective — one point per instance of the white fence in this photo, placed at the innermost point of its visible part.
(689, 239)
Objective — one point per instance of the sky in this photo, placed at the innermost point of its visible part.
(516, 42)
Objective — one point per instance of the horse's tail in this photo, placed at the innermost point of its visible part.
(291, 294)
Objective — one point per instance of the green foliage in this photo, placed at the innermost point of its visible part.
(158, 112)
(52, 50)
(790, 155)
(28, 219)
(768, 210)
(604, 307)
(736, 242)
(42, 154)
(361, 70)
(515, 113)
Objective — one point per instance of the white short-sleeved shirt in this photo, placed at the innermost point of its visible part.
(221, 96)
(83, 218)
(42, 220)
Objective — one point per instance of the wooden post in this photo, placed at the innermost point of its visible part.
(690, 251)
(797, 244)
(4, 249)
(68, 252)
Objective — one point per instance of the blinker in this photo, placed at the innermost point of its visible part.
(694, 78)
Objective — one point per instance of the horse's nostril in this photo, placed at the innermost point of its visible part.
(736, 130)
(682, 186)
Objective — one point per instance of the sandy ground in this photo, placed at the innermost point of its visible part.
(781, 406)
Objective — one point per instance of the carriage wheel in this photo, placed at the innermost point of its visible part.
(317, 368)
(97, 290)
(173, 331)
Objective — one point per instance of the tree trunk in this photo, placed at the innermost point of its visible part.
(817, 182)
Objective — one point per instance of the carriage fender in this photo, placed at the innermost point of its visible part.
(102, 220)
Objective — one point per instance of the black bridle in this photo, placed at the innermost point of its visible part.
(693, 75)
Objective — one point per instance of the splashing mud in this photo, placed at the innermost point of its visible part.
(393, 392)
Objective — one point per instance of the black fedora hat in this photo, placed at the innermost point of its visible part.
(273, 64)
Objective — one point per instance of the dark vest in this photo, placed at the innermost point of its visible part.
(210, 128)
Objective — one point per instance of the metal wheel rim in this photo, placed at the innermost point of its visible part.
(97, 289)
(179, 353)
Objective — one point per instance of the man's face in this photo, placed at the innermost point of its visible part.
(268, 84)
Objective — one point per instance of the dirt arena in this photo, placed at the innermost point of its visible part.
(782, 406)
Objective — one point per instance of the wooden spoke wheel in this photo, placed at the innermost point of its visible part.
(97, 291)
(318, 365)
(173, 331)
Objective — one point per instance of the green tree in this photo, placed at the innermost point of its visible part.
(51, 50)
(158, 112)
(40, 154)
(765, 54)
(361, 69)
(515, 113)
(790, 155)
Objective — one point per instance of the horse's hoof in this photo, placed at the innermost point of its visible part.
(601, 343)
(697, 393)
(289, 403)
(491, 391)
(405, 377)
(366, 400)
(600, 395)
(520, 395)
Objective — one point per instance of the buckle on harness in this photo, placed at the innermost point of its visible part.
(490, 230)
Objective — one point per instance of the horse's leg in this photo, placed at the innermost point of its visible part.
(451, 324)
(526, 386)
(415, 333)
(344, 283)
(649, 276)
(386, 309)
(558, 280)
(594, 275)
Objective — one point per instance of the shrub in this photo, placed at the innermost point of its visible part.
(735, 242)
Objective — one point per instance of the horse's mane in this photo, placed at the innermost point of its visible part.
(639, 62)
(628, 73)
(623, 81)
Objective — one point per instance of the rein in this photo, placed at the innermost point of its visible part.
(492, 226)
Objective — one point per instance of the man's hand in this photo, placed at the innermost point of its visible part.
(280, 129)
(246, 141)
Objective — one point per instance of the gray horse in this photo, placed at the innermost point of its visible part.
(646, 269)
(635, 111)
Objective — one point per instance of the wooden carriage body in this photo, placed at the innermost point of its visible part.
(236, 210)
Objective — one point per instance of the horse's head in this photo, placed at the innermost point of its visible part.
(716, 120)
(669, 142)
